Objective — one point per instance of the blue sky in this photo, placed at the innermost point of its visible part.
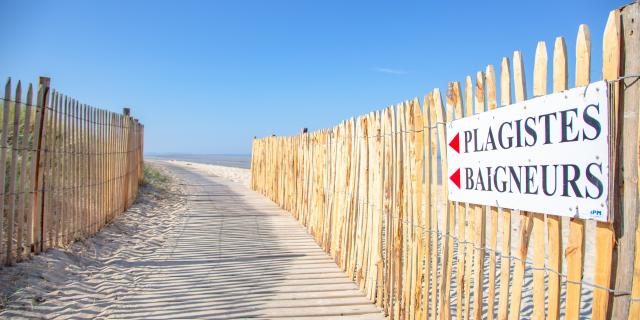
(206, 76)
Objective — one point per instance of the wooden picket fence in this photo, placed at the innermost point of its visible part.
(372, 191)
(67, 169)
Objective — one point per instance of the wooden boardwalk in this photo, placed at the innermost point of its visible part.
(238, 255)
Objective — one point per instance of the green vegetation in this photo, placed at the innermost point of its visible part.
(154, 177)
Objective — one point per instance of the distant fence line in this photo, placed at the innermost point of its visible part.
(368, 191)
(67, 169)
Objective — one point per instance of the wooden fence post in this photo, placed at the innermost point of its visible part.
(38, 185)
(127, 174)
(622, 49)
(3, 154)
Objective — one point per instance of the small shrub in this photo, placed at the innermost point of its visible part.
(153, 176)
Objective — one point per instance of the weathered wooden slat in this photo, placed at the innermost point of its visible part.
(574, 253)
(505, 261)
(554, 223)
(480, 216)
(434, 97)
(630, 15)
(418, 221)
(10, 197)
(48, 186)
(397, 214)
(426, 247)
(492, 103)
(24, 222)
(3, 158)
(454, 100)
(525, 218)
(37, 164)
(444, 209)
(539, 89)
(605, 235)
(469, 216)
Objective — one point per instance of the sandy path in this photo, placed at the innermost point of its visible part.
(230, 253)
(238, 175)
(237, 255)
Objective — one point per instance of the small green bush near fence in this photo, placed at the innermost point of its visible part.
(153, 176)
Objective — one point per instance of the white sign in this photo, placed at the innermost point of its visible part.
(547, 155)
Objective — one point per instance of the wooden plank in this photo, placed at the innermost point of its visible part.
(606, 248)
(49, 180)
(56, 174)
(89, 171)
(74, 170)
(363, 204)
(3, 157)
(100, 166)
(24, 223)
(65, 174)
(630, 15)
(397, 213)
(378, 215)
(469, 216)
(554, 223)
(505, 261)
(84, 184)
(13, 167)
(37, 164)
(111, 168)
(405, 128)
(492, 103)
(77, 165)
(431, 220)
(539, 89)
(418, 213)
(620, 51)
(480, 213)
(48, 218)
(574, 253)
(95, 166)
(426, 247)
(410, 182)
(454, 101)
(449, 207)
(105, 165)
(525, 221)
(388, 208)
(60, 174)
(434, 98)
(408, 210)
(111, 174)
(404, 213)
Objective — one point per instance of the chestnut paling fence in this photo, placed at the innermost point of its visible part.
(371, 192)
(67, 169)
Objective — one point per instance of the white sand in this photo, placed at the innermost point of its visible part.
(238, 175)
(86, 279)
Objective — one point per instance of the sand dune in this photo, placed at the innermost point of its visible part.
(87, 278)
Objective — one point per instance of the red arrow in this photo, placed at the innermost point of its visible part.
(455, 143)
(455, 177)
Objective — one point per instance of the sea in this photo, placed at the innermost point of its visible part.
(235, 160)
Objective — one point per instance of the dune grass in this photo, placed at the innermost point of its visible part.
(153, 176)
